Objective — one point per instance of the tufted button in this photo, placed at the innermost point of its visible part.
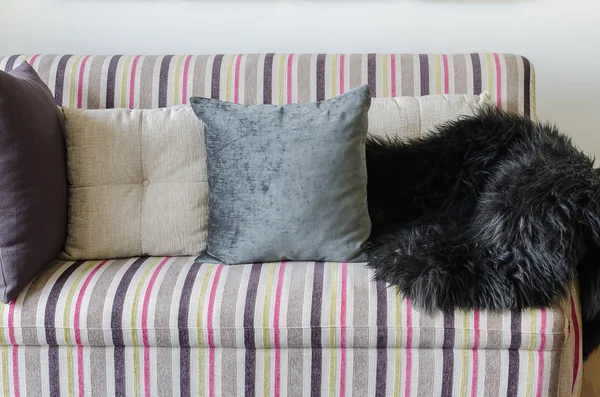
(145, 182)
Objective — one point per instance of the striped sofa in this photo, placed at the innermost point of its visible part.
(172, 326)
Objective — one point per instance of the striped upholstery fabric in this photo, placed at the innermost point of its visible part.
(137, 81)
(173, 326)
(128, 325)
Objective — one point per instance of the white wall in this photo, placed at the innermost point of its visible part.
(560, 37)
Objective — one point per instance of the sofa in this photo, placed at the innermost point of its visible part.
(176, 326)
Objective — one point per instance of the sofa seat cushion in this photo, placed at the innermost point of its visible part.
(178, 301)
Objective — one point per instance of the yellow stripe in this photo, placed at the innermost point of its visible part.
(332, 338)
(228, 78)
(66, 326)
(73, 76)
(398, 372)
(265, 325)
(532, 325)
(4, 348)
(465, 355)
(124, 81)
(384, 74)
(438, 75)
(334, 67)
(134, 311)
(281, 78)
(490, 70)
(199, 316)
(176, 84)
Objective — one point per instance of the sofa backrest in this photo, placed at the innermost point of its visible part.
(139, 81)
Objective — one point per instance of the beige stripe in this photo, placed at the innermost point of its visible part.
(301, 82)
(43, 68)
(354, 76)
(31, 371)
(29, 312)
(145, 86)
(362, 304)
(460, 74)
(311, 79)
(99, 378)
(229, 373)
(250, 79)
(406, 75)
(98, 308)
(512, 75)
(198, 74)
(231, 282)
(166, 295)
(91, 98)
(296, 309)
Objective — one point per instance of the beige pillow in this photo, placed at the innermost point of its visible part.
(137, 183)
(410, 117)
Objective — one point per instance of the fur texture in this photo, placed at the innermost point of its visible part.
(488, 212)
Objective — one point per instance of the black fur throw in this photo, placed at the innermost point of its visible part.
(489, 212)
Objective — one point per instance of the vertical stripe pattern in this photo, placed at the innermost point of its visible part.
(206, 328)
(121, 80)
(173, 326)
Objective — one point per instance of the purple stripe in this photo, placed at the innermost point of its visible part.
(184, 333)
(315, 332)
(268, 78)
(424, 65)
(111, 78)
(527, 87)
(215, 89)
(116, 326)
(381, 339)
(320, 69)
(448, 361)
(163, 82)
(513, 354)
(60, 79)
(476, 73)
(372, 73)
(50, 328)
(10, 64)
(249, 343)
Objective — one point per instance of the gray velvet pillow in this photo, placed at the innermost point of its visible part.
(287, 182)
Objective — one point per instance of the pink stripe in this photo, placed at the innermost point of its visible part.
(78, 331)
(289, 78)
(211, 345)
(343, 330)
(80, 83)
(393, 73)
(236, 91)
(15, 349)
(541, 355)
(498, 81)
(33, 58)
(132, 82)
(342, 62)
(475, 355)
(276, 329)
(186, 72)
(446, 79)
(408, 347)
(145, 325)
(577, 346)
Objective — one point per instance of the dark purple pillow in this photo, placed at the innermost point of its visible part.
(33, 179)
